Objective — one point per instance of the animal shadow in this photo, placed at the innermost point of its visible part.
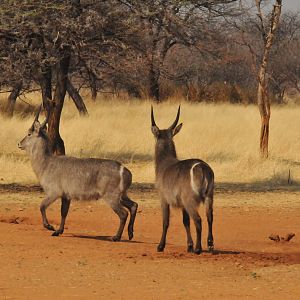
(223, 252)
(105, 238)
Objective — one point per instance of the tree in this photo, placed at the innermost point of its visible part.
(163, 25)
(263, 100)
(285, 61)
(260, 48)
(42, 41)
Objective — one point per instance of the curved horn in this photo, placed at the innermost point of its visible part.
(36, 118)
(176, 120)
(152, 117)
(46, 121)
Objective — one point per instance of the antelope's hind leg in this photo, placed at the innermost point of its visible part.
(114, 201)
(210, 217)
(193, 213)
(166, 219)
(132, 207)
(186, 223)
(45, 203)
(65, 204)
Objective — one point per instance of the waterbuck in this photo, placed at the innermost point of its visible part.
(78, 178)
(183, 184)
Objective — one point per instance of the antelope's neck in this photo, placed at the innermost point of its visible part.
(39, 160)
(165, 155)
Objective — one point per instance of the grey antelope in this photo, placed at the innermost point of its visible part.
(183, 184)
(77, 178)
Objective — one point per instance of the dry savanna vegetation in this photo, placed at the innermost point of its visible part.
(224, 135)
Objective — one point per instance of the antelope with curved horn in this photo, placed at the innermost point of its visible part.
(77, 178)
(183, 184)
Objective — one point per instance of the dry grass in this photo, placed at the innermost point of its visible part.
(226, 136)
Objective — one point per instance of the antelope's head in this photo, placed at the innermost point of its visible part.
(35, 135)
(165, 134)
(165, 146)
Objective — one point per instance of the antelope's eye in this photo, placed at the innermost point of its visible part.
(29, 133)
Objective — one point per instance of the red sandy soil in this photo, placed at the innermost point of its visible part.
(84, 264)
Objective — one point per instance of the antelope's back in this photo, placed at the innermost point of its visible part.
(82, 178)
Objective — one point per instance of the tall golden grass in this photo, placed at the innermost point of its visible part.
(226, 136)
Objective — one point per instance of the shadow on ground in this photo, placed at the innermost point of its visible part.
(257, 187)
(220, 187)
(104, 238)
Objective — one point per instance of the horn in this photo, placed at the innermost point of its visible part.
(152, 117)
(36, 118)
(46, 121)
(176, 120)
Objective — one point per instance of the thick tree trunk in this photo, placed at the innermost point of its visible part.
(157, 57)
(11, 100)
(78, 101)
(56, 142)
(263, 100)
(46, 86)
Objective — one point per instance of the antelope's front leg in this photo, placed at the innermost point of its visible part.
(166, 218)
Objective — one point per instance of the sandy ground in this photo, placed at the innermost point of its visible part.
(84, 264)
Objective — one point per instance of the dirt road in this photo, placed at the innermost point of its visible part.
(84, 264)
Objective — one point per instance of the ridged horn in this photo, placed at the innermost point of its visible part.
(36, 118)
(152, 117)
(45, 122)
(176, 120)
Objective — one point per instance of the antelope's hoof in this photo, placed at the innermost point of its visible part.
(211, 248)
(49, 227)
(190, 249)
(116, 238)
(56, 233)
(130, 235)
(160, 248)
(198, 251)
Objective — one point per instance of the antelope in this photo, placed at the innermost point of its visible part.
(182, 184)
(77, 178)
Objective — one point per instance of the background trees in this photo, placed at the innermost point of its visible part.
(198, 49)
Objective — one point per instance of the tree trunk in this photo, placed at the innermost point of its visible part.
(93, 85)
(56, 142)
(263, 100)
(157, 57)
(264, 136)
(11, 100)
(76, 98)
(264, 110)
(154, 85)
(46, 86)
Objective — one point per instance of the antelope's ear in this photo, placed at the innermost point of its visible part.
(177, 129)
(155, 131)
(37, 127)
